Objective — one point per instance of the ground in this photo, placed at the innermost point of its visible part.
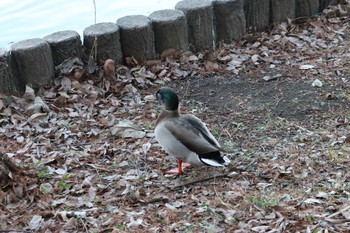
(278, 103)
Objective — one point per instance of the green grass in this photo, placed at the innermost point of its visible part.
(262, 202)
(43, 171)
(120, 227)
(62, 185)
(309, 218)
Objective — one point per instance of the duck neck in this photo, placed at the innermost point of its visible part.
(167, 114)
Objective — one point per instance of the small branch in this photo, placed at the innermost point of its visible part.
(228, 175)
(19, 231)
(154, 200)
(298, 126)
(278, 101)
(339, 212)
(95, 10)
(84, 225)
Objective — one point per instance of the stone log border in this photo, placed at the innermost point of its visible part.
(193, 25)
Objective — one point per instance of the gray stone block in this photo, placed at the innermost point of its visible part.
(64, 45)
(108, 42)
(31, 62)
(229, 20)
(137, 37)
(306, 8)
(199, 15)
(281, 10)
(257, 14)
(8, 84)
(170, 30)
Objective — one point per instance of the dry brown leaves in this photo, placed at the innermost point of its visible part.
(90, 162)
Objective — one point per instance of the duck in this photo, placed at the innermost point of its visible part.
(185, 136)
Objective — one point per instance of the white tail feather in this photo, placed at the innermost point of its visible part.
(214, 163)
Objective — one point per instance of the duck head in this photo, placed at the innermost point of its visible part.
(168, 98)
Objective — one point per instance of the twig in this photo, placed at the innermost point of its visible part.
(229, 175)
(154, 200)
(217, 113)
(95, 10)
(278, 101)
(82, 221)
(94, 46)
(221, 200)
(339, 212)
(22, 231)
(249, 165)
(298, 126)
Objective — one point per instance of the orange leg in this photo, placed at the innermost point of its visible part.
(179, 169)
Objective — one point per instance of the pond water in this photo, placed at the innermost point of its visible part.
(25, 19)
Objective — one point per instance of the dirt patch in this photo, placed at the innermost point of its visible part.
(289, 98)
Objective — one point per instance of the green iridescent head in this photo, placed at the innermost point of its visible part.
(168, 97)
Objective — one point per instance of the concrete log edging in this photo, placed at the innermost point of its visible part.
(108, 41)
(199, 15)
(64, 45)
(229, 20)
(306, 7)
(7, 83)
(257, 14)
(31, 62)
(193, 24)
(170, 30)
(137, 37)
(281, 10)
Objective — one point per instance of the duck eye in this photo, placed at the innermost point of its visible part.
(159, 96)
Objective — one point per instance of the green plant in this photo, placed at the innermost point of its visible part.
(9, 99)
(189, 227)
(120, 227)
(43, 171)
(149, 126)
(262, 201)
(238, 125)
(66, 176)
(208, 209)
(216, 133)
(208, 226)
(309, 218)
(334, 153)
(62, 185)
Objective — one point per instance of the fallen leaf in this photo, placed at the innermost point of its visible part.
(35, 222)
(29, 94)
(126, 129)
(317, 83)
(306, 67)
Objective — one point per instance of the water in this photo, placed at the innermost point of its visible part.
(25, 19)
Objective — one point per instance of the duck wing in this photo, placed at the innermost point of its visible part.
(192, 133)
(202, 129)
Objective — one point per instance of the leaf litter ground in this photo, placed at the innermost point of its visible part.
(278, 102)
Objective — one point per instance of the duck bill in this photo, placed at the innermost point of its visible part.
(150, 98)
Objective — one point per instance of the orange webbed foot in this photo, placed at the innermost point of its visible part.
(179, 169)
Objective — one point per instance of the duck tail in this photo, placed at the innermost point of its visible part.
(215, 159)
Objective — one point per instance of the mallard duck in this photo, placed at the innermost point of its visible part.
(185, 136)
